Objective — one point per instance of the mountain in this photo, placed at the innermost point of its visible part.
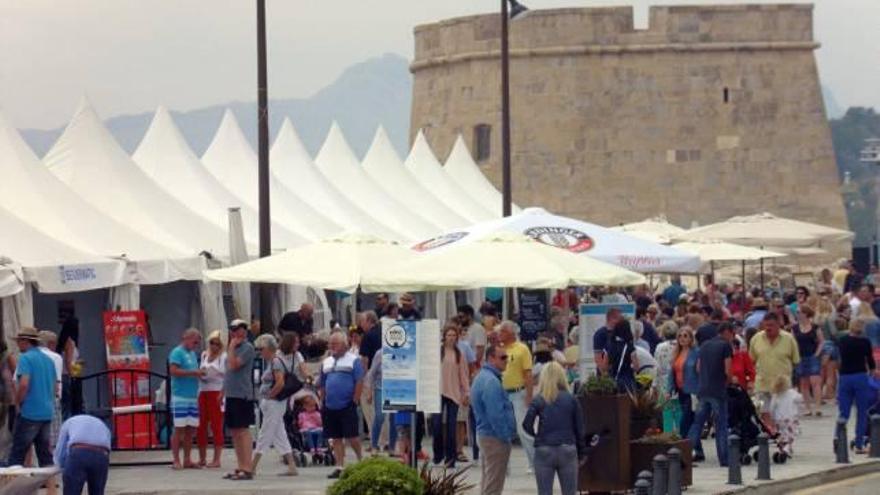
(365, 95)
(859, 179)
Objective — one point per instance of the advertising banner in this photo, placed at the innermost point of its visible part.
(410, 365)
(125, 336)
(591, 317)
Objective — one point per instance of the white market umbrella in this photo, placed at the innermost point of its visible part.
(504, 259)
(765, 229)
(656, 229)
(343, 263)
(726, 251)
(580, 237)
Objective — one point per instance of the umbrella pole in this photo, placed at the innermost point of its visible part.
(762, 274)
(712, 270)
(743, 274)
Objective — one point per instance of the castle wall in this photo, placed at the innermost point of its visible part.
(708, 113)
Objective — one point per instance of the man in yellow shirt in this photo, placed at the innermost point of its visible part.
(517, 382)
(775, 354)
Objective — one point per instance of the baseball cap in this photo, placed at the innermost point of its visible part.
(238, 323)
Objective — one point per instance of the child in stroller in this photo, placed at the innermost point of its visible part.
(745, 422)
(305, 431)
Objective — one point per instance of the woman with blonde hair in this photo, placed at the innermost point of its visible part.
(560, 439)
(824, 319)
(213, 366)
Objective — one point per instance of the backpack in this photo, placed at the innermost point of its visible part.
(292, 383)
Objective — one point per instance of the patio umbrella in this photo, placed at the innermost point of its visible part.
(725, 251)
(503, 259)
(594, 241)
(765, 229)
(656, 229)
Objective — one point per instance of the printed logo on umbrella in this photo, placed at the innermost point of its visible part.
(435, 242)
(562, 237)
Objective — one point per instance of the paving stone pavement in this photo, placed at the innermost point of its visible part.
(813, 453)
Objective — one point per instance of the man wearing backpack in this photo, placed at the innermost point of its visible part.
(340, 387)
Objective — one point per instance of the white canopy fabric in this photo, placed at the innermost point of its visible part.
(11, 278)
(725, 251)
(340, 166)
(52, 265)
(598, 242)
(765, 229)
(30, 191)
(387, 169)
(88, 159)
(233, 162)
(342, 263)
(462, 168)
(165, 157)
(293, 167)
(656, 229)
(503, 259)
(427, 169)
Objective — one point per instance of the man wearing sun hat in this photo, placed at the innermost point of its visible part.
(35, 395)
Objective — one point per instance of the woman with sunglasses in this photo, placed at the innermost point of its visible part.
(213, 365)
(684, 380)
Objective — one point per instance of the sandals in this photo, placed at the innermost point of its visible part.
(238, 475)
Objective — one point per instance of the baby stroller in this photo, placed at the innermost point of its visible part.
(745, 422)
(322, 455)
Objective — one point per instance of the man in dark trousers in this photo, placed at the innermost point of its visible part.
(714, 375)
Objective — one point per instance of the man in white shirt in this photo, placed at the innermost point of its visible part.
(475, 334)
(48, 341)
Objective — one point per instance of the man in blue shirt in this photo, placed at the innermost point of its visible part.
(674, 291)
(340, 387)
(183, 365)
(496, 423)
(603, 334)
(35, 395)
(83, 453)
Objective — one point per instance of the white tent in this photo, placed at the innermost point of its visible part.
(165, 156)
(339, 165)
(88, 159)
(574, 235)
(53, 266)
(424, 165)
(460, 165)
(11, 278)
(387, 169)
(294, 168)
(233, 162)
(31, 192)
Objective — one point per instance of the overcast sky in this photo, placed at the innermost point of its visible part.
(131, 55)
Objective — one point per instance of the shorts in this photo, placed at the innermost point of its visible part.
(185, 412)
(765, 397)
(239, 413)
(809, 366)
(829, 348)
(340, 423)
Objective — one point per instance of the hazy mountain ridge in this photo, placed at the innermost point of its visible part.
(366, 95)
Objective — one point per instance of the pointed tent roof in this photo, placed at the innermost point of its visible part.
(427, 169)
(165, 156)
(31, 192)
(292, 165)
(388, 170)
(462, 168)
(233, 162)
(53, 265)
(91, 162)
(339, 165)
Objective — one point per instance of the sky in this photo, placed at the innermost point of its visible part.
(130, 56)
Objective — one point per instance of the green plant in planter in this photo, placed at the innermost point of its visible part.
(445, 482)
(599, 385)
(378, 476)
(660, 438)
(645, 403)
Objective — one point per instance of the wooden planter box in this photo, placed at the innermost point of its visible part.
(642, 458)
(608, 468)
(639, 425)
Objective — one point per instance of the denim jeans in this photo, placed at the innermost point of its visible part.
(685, 402)
(708, 407)
(314, 439)
(25, 434)
(444, 439)
(472, 433)
(519, 410)
(379, 421)
(556, 460)
(855, 387)
(85, 465)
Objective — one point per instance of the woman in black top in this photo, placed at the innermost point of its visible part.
(810, 340)
(856, 361)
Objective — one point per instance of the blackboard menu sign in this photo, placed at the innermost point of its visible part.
(534, 313)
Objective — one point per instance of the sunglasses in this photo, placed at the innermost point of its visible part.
(214, 343)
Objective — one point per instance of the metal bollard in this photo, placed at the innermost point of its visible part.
(875, 436)
(643, 487)
(673, 481)
(841, 444)
(647, 476)
(763, 457)
(734, 470)
(661, 470)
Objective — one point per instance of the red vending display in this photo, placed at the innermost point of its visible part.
(125, 334)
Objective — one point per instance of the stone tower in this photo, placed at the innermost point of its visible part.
(710, 112)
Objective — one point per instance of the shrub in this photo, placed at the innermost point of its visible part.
(377, 476)
(446, 482)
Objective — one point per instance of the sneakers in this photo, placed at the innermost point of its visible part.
(699, 457)
(335, 474)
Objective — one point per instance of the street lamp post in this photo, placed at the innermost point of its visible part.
(263, 164)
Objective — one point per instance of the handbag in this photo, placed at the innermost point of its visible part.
(292, 383)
